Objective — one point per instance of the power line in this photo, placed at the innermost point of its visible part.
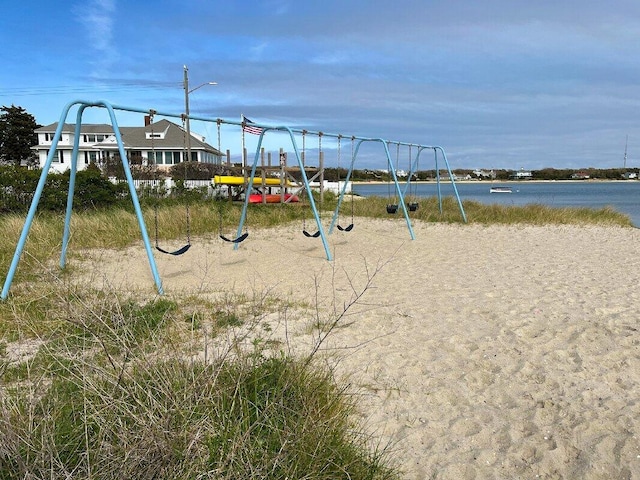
(66, 89)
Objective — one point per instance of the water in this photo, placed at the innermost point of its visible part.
(624, 197)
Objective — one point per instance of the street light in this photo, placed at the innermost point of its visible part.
(186, 106)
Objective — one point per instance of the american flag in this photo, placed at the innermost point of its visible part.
(248, 128)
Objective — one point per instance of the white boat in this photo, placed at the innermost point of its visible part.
(500, 189)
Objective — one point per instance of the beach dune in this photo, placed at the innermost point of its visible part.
(477, 352)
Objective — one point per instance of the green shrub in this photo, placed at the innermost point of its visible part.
(92, 190)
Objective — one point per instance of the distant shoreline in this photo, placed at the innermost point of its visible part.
(591, 180)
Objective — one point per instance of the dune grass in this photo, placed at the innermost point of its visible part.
(476, 212)
(113, 391)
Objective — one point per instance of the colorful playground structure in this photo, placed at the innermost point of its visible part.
(249, 180)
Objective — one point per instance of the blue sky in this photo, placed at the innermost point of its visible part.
(496, 83)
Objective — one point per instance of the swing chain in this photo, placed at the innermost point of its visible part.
(349, 227)
(186, 247)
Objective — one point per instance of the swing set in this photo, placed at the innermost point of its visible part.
(242, 233)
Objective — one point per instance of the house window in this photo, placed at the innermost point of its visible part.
(135, 157)
(58, 156)
(176, 157)
(90, 157)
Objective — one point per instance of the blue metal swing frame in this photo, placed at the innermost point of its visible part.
(414, 167)
(83, 105)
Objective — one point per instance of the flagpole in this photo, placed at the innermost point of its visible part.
(243, 155)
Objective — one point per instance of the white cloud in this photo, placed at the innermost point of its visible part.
(97, 18)
(258, 50)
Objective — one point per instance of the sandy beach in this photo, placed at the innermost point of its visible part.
(501, 352)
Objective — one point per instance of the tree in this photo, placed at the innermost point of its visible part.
(17, 136)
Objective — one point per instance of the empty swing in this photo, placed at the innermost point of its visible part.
(349, 227)
(412, 205)
(316, 234)
(242, 237)
(187, 246)
(239, 239)
(392, 207)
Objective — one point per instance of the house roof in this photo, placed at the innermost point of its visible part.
(103, 128)
(174, 135)
(136, 137)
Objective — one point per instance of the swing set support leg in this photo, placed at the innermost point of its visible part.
(134, 198)
(453, 183)
(72, 185)
(40, 187)
(243, 217)
(343, 190)
(398, 190)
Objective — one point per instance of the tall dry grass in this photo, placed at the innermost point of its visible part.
(116, 388)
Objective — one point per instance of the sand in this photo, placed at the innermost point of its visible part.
(478, 352)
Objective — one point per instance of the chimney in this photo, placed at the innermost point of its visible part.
(147, 120)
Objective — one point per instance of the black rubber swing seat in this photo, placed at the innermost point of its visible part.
(241, 238)
(413, 206)
(180, 251)
(311, 235)
(348, 228)
(392, 208)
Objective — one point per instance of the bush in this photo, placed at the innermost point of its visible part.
(17, 186)
(92, 190)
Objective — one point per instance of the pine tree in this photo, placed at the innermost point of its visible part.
(17, 136)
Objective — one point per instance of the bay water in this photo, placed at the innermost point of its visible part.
(623, 196)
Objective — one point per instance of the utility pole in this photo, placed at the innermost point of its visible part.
(186, 111)
(185, 85)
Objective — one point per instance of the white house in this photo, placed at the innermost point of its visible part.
(163, 141)
(522, 174)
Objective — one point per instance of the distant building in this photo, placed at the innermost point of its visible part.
(521, 174)
(163, 141)
(484, 173)
(580, 175)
